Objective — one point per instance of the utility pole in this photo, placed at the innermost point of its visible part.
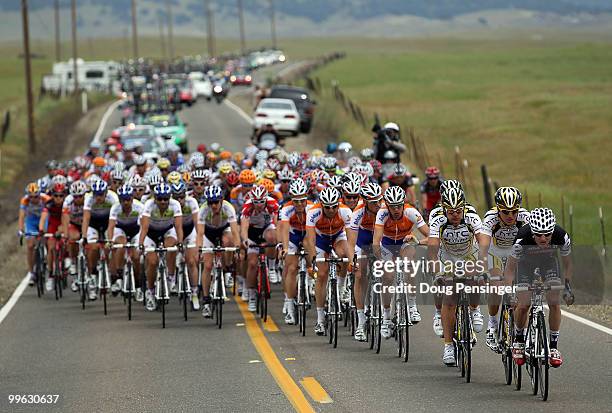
(58, 50)
(134, 31)
(75, 71)
(170, 33)
(28, 75)
(162, 40)
(273, 24)
(210, 29)
(241, 19)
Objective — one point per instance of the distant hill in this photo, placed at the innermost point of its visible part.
(312, 17)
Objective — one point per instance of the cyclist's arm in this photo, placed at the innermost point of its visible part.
(111, 228)
(235, 233)
(378, 233)
(568, 267)
(351, 235)
(144, 228)
(410, 195)
(244, 228)
(283, 228)
(309, 243)
(43, 220)
(21, 224)
(85, 223)
(483, 248)
(423, 201)
(433, 246)
(178, 225)
(425, 231)
(199, 234)
(65, 221)
(509, 270)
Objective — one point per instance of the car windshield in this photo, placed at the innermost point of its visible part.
(138, 133)
(148, 145)
(276, 105)
(162, 122)
(289, 94)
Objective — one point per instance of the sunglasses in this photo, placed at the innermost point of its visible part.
(139, 189)
(247, 185)
(163, 199)
(330, 206)
(125, 199)
(259, 202)
(58, 195)
(457, 211)
(77, 196)
(542, 235)
(299, 201)
(214, 202)
(351, 196)
(195, 183)
(509, 211)
(179, 198)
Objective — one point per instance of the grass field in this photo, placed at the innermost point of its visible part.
(537, 113)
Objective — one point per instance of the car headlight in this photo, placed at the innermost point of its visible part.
(217, 89)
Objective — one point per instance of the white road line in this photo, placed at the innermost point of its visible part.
(105, 117)
(238, 110)
(589, 323)
(4, 311)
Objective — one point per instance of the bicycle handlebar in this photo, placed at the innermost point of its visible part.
(160, 249)
(219, 249)
(540, 287)
(331, 259)
(128, 245)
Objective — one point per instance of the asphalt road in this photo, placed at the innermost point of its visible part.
(105, 363)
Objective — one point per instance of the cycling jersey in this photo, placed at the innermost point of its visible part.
(161, 224)
(32, 211)
(502, 236)
(395, 230)
(239, 195)
(216, 225)
(363, 222)
(100, 211)
(260, 219)
(200, 199)
(432, 193)
(74, 211)
(456, 241)
(328, 230)
(190, 206)
(532, 258)
(54, 219)
(126, 224)
(297, 222)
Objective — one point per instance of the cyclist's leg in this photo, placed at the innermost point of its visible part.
(170, 241)
(31, 244)
(191, 258)
(290, 276)
(74, 234)
(92, 249)
(50, 254)
(360, 287)
(118, 256)
(341, 248)
(151, 261)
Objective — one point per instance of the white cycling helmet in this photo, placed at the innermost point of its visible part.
(154, 180)
(329, 197)
(371, 192)
(450, 183)
(351, 187)
(395, 195)
(261, 155)
(453, 198)
(391, 125)
(335, 182)
(345, 147)
(259, 193)
(542, 221)
(298, 189)
(137, 182)
(78, 188)
(117, 175)
(508, 198)
(285, 174)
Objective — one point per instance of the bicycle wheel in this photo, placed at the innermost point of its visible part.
(459, 340)
(103, 289)
(162, 295)
(335, 313)
(128, 287)
(542, 360)
(39, 272)
(377, 322)
(265, 289)
(403, 328)
(184, 290)
(531, 351)
(467, 343)
(82, 282)
(506, 326)
(302, 303)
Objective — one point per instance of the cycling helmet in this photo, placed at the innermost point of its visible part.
(119, 166)
(213, 193)
(215, 147)
(162, 190)
(224, 167)
(247, 176)
(432, 172)
(137, 182)
(329, 197)
(225, 155)
(211, 157)
(117, 175)
(155, 179)
(139, 160)
(371, 192)
(91, 180)
(261, 155)
(174, 177)
(376, 165)
(232, 178)
(395, 195)
(59, 179)
(298, 189)
(32, 189)
(367, 154)
(268, 184)
(367, 170)
(282, 157)
(351, 188)
(345, 147)
(294, 161)
(99, 162)
(331, 148)
(399, 170)
(51, 164)
(178, 188)
(269, 174)
(508, 197)
(99, 187)
(125, 192)
(542, 221)
(259, 193)
(450, 183)
(335, 182)
(250, 151)
(196, 160)
(163, 163)
(328, 163)
(201, 174)
(78, 188)
(391, 126)
(238, 157)
(273, 164)
(390, 155)
(453, 198)
(285, 175)
(59, 188)
(172, 147)
(317, 152)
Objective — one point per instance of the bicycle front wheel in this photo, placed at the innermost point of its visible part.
(506, 325)
(402, 328)
(543, 355)
(467, 343)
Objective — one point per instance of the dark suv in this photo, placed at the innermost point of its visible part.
(302, 99)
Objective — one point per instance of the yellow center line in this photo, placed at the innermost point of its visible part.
(270, 325)
(315, 390)
(284, 380)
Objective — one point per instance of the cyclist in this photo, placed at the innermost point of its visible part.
(292, 228)
(50, 223)
(325, 230)
(161, 221)
(399, 176)
(30, 210)
(123, 228)
(216, 225)
(392, 231)
(257, 226)
(139, 185)
(116, 179)
(535, 248)
(499, 228)
(285, 177)
(430, 190)
(72, 219)
(360, 236)
(190, 210)
(239, 193)
(96, 212)
(350, 192)
(200, 179)
(452, 239)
